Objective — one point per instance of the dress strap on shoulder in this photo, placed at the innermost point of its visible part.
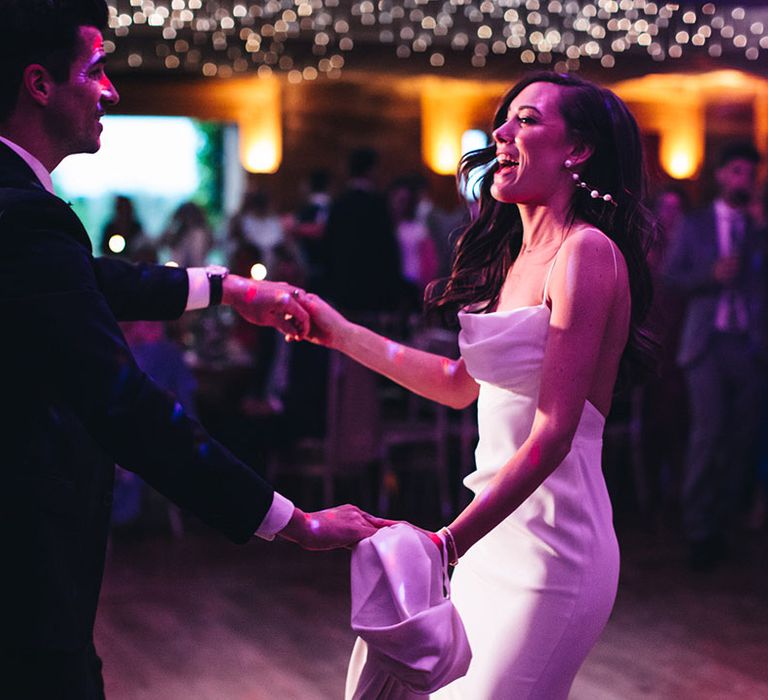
(615, 263)
(549, 274)
(611, 245)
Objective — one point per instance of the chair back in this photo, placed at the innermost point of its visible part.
(353, 420)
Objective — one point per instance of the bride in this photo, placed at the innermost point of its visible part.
(551, 285)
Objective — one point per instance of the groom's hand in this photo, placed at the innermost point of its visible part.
(268, 304)
(331, 528)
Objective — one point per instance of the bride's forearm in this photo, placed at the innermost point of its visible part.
(433, 376)
(536, 459)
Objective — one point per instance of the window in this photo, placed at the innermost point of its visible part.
(155, 161)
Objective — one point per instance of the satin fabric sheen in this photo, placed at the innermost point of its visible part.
(536, 592)
(411, 638)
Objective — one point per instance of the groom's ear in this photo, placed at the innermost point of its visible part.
(38, 84)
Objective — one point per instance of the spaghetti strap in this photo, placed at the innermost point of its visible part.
(549, 274)
(611, 245)
(615, 264)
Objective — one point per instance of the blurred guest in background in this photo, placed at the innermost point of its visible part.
(187, 241)
(361, 250)
(188, 237)
(759, 518)
(718, 263)
(270, 354)
(163, 360)
(758, 210)
(297, 377)
(417, 249)
(123, 235)
(444, 228)
(664, 414)
(308, 228)
(257, 225)
(670, 206)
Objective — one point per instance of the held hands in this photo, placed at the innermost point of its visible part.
(332, 528)
(296, 314)
(265, 303)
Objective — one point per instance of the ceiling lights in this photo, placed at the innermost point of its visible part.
(307, 39)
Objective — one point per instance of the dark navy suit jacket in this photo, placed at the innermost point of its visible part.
(688, 267)
(74, 404)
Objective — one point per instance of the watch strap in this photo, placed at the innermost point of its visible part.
(216, 282)
(216, 275)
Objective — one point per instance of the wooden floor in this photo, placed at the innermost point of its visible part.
(200, 619)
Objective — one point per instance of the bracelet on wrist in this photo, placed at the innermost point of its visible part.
(450, 546)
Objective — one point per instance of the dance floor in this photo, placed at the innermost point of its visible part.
(200, 619)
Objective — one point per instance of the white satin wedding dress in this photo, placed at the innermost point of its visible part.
(535, 593)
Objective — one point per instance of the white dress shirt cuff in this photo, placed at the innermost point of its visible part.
(277, 517)
(199, 296)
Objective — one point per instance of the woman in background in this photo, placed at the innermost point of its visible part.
(188, 237)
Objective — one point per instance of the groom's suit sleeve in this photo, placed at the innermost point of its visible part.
(150, 292)
(142, 292)
(71, 340)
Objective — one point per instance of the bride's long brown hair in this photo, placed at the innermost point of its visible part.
(490, 244)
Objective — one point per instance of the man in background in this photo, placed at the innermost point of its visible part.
(717, 263)
(363, 259)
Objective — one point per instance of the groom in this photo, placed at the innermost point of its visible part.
(74, 401)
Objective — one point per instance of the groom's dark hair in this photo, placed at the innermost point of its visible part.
(43, 32)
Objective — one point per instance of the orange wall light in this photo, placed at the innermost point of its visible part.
(446, 113)
(441, 128)
(681, 145)
(674, 105)
(259, 122)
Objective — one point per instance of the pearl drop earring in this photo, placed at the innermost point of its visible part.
(584, 186)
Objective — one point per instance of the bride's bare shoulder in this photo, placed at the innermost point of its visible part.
(590, 244)
(585, 236)
(592, 266)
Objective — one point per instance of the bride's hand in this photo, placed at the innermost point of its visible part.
(434, 537)
(327, 326)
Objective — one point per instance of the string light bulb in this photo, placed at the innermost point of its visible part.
(292, 36)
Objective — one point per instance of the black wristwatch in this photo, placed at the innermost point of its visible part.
(216, 275)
